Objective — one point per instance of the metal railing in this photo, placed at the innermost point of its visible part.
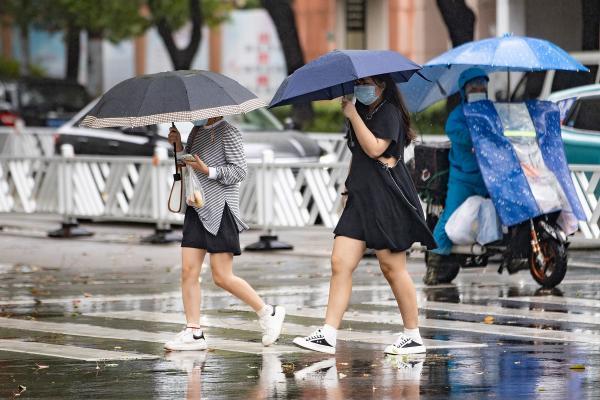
(137, 188)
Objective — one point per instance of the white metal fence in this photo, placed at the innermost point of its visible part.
(137, 189)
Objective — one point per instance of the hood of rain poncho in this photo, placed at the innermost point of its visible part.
(468, 75)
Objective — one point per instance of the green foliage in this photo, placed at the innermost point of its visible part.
(177, 12)
(114, 20)
(9, 68)
(329, 118)
(432, 120)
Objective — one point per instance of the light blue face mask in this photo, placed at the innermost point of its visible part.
(200, 122)
(365, 94)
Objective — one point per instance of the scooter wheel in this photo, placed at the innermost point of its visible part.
(555, 266)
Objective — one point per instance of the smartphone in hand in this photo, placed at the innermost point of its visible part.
(187, 157)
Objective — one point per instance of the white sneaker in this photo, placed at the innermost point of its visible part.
(271, 325)
(316, 341)
(186, 340)
(405, 345)
(322, 374)
(187, 361)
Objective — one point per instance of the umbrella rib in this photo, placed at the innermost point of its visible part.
(142, 102)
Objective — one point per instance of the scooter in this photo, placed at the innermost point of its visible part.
(521, 157)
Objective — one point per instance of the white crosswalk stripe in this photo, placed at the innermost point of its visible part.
(95, 325)
(289, 328)
(497, 311)
(70, 352)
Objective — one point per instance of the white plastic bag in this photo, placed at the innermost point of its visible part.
(490, 228)
(463, 225)
(194, 195)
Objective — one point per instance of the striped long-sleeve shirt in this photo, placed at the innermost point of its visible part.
(221, 148)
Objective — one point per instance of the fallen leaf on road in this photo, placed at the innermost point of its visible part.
(488, 320)
(288, 367)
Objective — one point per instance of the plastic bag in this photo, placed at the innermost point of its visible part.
(568, 222)
(194, 195)
(463, 225)
(490, 228)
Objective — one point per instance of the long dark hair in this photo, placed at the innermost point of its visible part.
(393, 95)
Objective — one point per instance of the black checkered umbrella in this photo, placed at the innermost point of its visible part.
(173, 96)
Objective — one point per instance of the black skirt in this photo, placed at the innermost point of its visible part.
(227, 239)
(384, 211)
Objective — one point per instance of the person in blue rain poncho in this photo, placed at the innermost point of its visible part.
(465, 178)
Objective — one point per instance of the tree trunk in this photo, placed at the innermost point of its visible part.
(95, 73)
(590, 38)
(282, 14)
(459, 20)
(24, 42)
(73, 48)
(183, 58)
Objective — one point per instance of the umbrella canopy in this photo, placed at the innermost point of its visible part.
(333, 74)
(506, 53)
(173, 96)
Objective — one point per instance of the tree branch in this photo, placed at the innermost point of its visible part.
(459, 20)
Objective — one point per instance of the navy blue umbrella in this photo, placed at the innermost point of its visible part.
(333, 74)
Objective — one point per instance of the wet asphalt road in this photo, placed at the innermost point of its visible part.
(489, 335)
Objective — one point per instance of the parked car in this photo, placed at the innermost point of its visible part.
(540, 84)
(580, 123)
(40, 101)
(260, 128)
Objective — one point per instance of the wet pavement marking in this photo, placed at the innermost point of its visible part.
(75, 329)
(71, 352)
(288, 328)
(583, 264)
(460, 326)
(554, 300)
(537, 315)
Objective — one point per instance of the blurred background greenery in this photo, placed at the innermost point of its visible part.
(328, 118)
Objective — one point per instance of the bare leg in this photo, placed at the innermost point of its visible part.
(345, 257)
(221, 265)
(393, 266)
(190, 286)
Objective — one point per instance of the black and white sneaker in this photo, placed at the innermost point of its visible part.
(405, 345)
(321, 374)
(316, 342)
(189, 339)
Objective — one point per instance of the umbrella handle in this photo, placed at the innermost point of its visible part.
(176, 176)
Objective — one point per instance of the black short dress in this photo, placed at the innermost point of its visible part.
(383, 208)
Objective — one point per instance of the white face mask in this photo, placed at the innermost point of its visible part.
(472, 97)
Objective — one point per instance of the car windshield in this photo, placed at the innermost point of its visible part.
(585, 114)
(52, 96)
(257, 120)
(568, 79)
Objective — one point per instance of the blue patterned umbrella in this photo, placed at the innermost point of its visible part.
(506, 53)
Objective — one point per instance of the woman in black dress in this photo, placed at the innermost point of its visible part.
(382, 212)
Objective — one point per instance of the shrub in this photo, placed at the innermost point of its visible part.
(329, 118)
